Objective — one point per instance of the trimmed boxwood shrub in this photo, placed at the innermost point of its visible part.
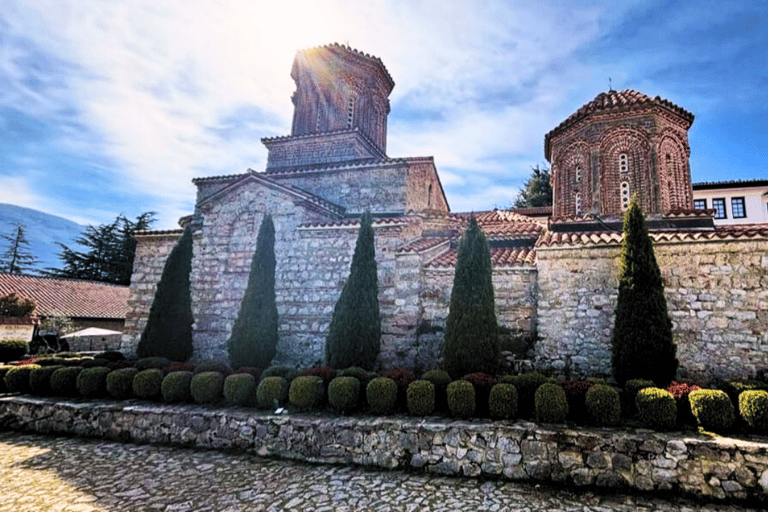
(179, 367)
(502, 401)
(324, 372)
(361, 374)
(632, 386)
(441, 379)
(272, 392)
(12, 350)
(344, 393)
(17, 378)
(575, 395)
(92, 382)
(152, 363)
(527, 384)
(51, 361)
(381, 394)
(175, 386)
(40, 380)
(551, 404)
(753, 407)
(92, 363)
(656, 408)
(250, 370)
(712, 409)
(420, 398)
(734, 388)
(461, 399)
(110, 355)
(240, 389)
(603, 405)
(3, 370)
(307, 393)
(64, 381)
(147, 383)
(213, 366)
(285, 372)
(120, 382)
(207, 387)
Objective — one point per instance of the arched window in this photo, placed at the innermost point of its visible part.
(624, 195)
(623, 162)
(350, 111)
(578, 204)
(578, 173)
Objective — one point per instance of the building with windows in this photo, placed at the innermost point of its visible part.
(733, 202)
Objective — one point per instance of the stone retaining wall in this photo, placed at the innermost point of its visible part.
(715, 468)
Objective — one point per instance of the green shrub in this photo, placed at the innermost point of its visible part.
(381, 394)
(502, 401)
(420, 398)
(461, 399)
(441, 379)
(176, 387)
(152, 363)
(344, 393)
(240, 389)
(17, 379)
(64, 381)
(483, 384)
(3, 370)
(51, 361)
(12, 350)
(147, 383)
(753, 407)
(73, 361)
(324, 372)
(93, 363)
(576, 395)
(527, 384)
(656, 408)
(272, 392)
(603, 405)
(110, 355)
(403, 379)
(213, 366)
(285, 372)
(40, 380)
(307, 393)
(712, 409)
(551, 404)
(631, 388)
(120, 383)
(734, 388)
(207, 387)
(361, 374)
(92, 382)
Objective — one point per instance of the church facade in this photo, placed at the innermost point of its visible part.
(555, 276)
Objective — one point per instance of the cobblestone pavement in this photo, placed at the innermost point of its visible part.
(42, 473)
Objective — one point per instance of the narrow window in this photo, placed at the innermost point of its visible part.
(578, 173)
(699, 204)
(624, 195)
(737, 208)
(719, 206)
(623, 163)
(578, 204)
(350, 111)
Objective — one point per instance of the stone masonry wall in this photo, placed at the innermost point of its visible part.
(714, 468)
(716, 295)
(151, 253)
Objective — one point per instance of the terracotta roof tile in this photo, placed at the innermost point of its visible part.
(422, 244)
(735, 232)
(500, 257)
(68, 297)
(344, 223)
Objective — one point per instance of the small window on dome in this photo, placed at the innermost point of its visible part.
(624, 195)
(578, 204)
(578, 173)
(350, 111)
(623, 163)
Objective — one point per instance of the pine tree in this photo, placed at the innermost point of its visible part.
(354, 336)
(471, 333)
(17, 258)
(168, 332)
(253, 341)
(642, 343)
(537, 191)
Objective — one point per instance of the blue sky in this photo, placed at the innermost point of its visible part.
(110, 107)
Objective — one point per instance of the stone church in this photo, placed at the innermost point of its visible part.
(555, 270)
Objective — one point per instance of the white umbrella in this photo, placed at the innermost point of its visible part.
(91, 331)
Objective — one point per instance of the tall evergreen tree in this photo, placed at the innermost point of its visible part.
(253, 341)
(354, 336)
(471, 333)
(17, 259)
(537, 191)
(642, 343)
(168, 332)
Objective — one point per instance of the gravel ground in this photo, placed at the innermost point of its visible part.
(47, 473)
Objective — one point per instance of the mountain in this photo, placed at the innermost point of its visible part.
(42, 230)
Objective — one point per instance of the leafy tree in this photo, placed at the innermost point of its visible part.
(471, 333)
(253, 341)
(111, 250)
(537, 191)
(17, 259)
(16, 306)
(168, 332)
(642, 343)
(354, 336)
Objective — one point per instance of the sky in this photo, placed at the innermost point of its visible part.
(112, 107)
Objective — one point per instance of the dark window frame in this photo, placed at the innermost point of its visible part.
(715, 203)
(702, 204)
(741, 209)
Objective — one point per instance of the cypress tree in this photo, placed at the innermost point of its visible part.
(354, 336)
(471, 341)
(168, 332)
(642, 344)
(253, 341)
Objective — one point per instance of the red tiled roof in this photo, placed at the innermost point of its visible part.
(422, 244)
(68, 297)
(735, 232)
(502, 223)
(348, 223)
(500, 257)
